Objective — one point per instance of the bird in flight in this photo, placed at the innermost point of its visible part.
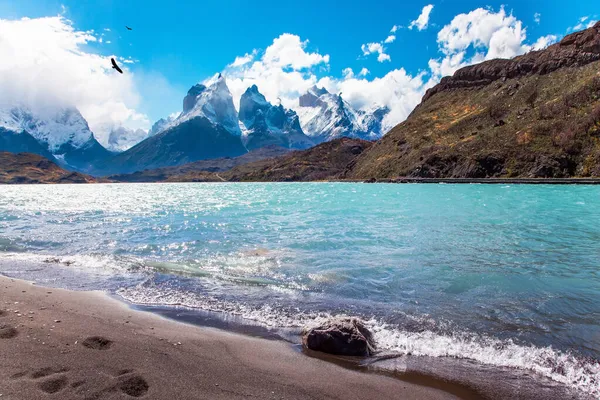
(115, 66)
(128, 28)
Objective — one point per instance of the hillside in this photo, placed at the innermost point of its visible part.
(196, 168)
(535, 116)
(32, 168)
(327, 161)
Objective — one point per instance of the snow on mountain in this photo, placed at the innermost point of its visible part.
(55, 128)
(264, 124)
(121, 138)
(325, 116)
(213, 102)
(60, 131)
(162, 124)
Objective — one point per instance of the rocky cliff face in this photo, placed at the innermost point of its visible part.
(325, 116)
(267, 125)
(575, 50)
(537, 115)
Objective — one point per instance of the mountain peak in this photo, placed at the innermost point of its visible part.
(212, 101)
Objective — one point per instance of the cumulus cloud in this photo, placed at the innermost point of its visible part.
(46, 62)
(289, 51)
(480, 35)
(243, 60)
(390, 39)
(544, 41)
(537, 17)
(395, 28)
(375, 48)
(397, 90)
(422, 21)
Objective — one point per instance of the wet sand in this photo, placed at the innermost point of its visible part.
(60, 344)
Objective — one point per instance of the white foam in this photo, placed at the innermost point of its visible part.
(561, 367)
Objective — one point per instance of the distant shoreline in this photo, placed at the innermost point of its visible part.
(464, 181)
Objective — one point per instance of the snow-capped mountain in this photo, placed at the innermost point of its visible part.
(264, 124)
(325, 116)
(121, 138)
(162, 124)
(213, 102)
(207, 128)
(62, 132)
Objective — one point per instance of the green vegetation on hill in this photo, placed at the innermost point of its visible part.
(537, 115)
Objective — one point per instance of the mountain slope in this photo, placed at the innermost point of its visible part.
(207, 128)
(32, 168)
(215, 165)
(537, 115)
(326, 161)
(268, 125)
(62, 132)
(22, 142)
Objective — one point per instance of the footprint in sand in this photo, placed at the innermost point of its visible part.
(54, 385)
(7, 332)
(134, 386)
(97, 343)
(51, 380)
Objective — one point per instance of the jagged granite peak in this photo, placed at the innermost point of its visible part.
(264, 124)
(213, 102)
(122, 138)
(325, 116)
(189, 101)
(161, 125)
(574, 50)
(251, 102)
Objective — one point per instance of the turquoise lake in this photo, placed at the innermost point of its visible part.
(503, 275)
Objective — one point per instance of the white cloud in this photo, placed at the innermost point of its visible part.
(483, 33)
(537, 17)
(397, 90)
(583, 23)
(422, 21)
(243, 60)
(390, 39)
(375, 48)
(47, 62)
(544, 42)
(289, 51)
(395, 28)
(348, 73)
(383, 57)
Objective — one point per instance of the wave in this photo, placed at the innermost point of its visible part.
(581, 374)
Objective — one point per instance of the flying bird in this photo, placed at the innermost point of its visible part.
(128, 28)
(115, 66)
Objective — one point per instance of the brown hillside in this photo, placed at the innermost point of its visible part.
(31, 168)
(537, 115)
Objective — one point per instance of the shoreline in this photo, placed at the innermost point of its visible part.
(399, 180)
(87, 344)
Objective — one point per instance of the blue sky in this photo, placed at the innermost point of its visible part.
(176, 44)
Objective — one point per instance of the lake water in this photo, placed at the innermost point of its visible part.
(501, 275)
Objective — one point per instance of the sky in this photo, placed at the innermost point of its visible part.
(379, 53)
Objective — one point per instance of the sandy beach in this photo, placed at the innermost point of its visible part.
(62, 344)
